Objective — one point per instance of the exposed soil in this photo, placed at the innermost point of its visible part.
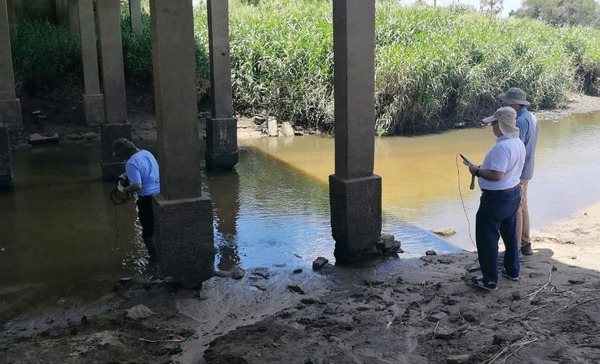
(388, 311)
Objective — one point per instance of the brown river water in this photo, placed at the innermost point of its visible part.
(63, 243)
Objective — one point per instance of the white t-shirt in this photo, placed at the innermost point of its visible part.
(508, 156)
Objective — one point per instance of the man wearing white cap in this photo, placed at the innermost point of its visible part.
(499, 176)
(528, 130)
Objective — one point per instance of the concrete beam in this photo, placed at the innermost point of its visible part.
(354, 85)
(354, 191)
(221, 129)
(73, 15)
(355, 217)
(135, 15)
(93, 100)
(221, 144)
(6, 174)
(220, 58)
(182, 214)
(12, 20)
(10, 107)
(111, 52)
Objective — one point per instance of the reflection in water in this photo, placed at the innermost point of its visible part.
(425, 183)
(224, 190)
(62, 242)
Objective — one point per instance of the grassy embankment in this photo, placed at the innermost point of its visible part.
(433, 66)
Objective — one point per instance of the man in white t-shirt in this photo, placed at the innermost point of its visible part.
(498, 178)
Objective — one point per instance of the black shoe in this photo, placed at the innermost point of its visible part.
(526, 249)
(501, 256)
(504, 274)
(479, 282)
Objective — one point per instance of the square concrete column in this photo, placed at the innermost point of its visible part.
(354, 191)
(221, 144)
(221, 129)
(111, 167)
(62, 12)
(111, 53)
(135, 15)
(6, 175)
(183, 215)
(10, 107)
(220, 58)
(12, 20)
(93, 100)
(73, 14)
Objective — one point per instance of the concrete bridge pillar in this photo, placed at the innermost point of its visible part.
(73, 14)
(113, 83)
(221, 128)
(93, 100)
(12, 20)
(354, 191)
(182, 213)
(10, 106)
(6, 175)
(135, 15)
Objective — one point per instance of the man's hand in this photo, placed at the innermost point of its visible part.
(473, 168)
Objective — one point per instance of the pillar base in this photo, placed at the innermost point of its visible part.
(111, 167)
(355, 217)
(185, 239)
(10, 114)
(94, 109)
(6, 182)
(6, 175)
(221, 144)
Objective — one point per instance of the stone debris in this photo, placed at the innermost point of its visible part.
(272, 130)
(319, 263)
(138, 312)
(458, 359)
(45, 138)
(286, 129)
(235, 273)
(443, 232)
(388, 245)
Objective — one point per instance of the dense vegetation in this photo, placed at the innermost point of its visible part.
(564, 12)
(434, 66)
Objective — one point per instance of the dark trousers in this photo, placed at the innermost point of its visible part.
(497, 217)
(144, 204)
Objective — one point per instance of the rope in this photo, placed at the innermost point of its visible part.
(463, 202)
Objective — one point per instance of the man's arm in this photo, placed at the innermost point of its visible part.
(134, 178)
(488, 174)
(133, 187)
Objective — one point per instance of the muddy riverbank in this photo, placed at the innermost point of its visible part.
(388, 311)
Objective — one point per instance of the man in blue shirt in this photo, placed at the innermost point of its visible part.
(500, 197)
(528, 131)
(142, 171)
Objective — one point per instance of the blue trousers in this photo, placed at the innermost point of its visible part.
(496, 217)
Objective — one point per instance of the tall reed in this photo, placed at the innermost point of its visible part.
(45, 56)
(434, 66)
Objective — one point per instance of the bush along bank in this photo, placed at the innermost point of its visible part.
(434, 66)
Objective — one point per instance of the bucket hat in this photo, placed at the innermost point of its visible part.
(507, 121)
(514, 95)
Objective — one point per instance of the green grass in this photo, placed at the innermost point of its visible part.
(45, 56)
(434, 66)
